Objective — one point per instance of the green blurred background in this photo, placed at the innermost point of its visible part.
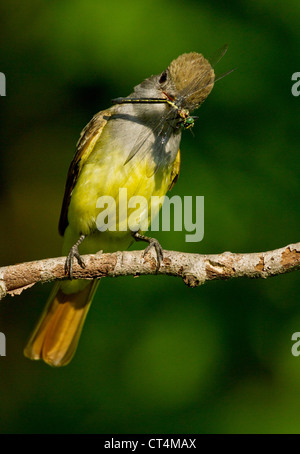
(156, 356)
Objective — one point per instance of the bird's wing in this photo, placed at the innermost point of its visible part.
(88, 137)
(175, 171)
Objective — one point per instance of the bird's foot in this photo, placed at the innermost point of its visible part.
(74, 253)
(153, 242)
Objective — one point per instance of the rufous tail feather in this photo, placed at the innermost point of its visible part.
(57, 333)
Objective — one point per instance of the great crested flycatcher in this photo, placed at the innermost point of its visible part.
(133, 145)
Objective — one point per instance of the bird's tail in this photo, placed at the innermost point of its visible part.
(57, 333)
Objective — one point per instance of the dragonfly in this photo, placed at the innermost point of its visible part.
(186, 121)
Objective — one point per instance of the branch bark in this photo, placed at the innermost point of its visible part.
(194, 269)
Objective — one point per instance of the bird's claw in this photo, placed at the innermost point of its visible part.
(70, 258)
(153, 242)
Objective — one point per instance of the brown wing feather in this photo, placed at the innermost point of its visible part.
(175, 171)
(88, 137)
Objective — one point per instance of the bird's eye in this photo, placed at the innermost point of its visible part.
(163, 77)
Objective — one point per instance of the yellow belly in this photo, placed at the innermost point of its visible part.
(103, 175)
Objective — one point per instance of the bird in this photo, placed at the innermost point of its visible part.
(134, 145)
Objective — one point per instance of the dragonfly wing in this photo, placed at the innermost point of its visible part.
(218, 55)
(159, 151)
(152, 141)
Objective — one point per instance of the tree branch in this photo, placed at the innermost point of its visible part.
(194, 269)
